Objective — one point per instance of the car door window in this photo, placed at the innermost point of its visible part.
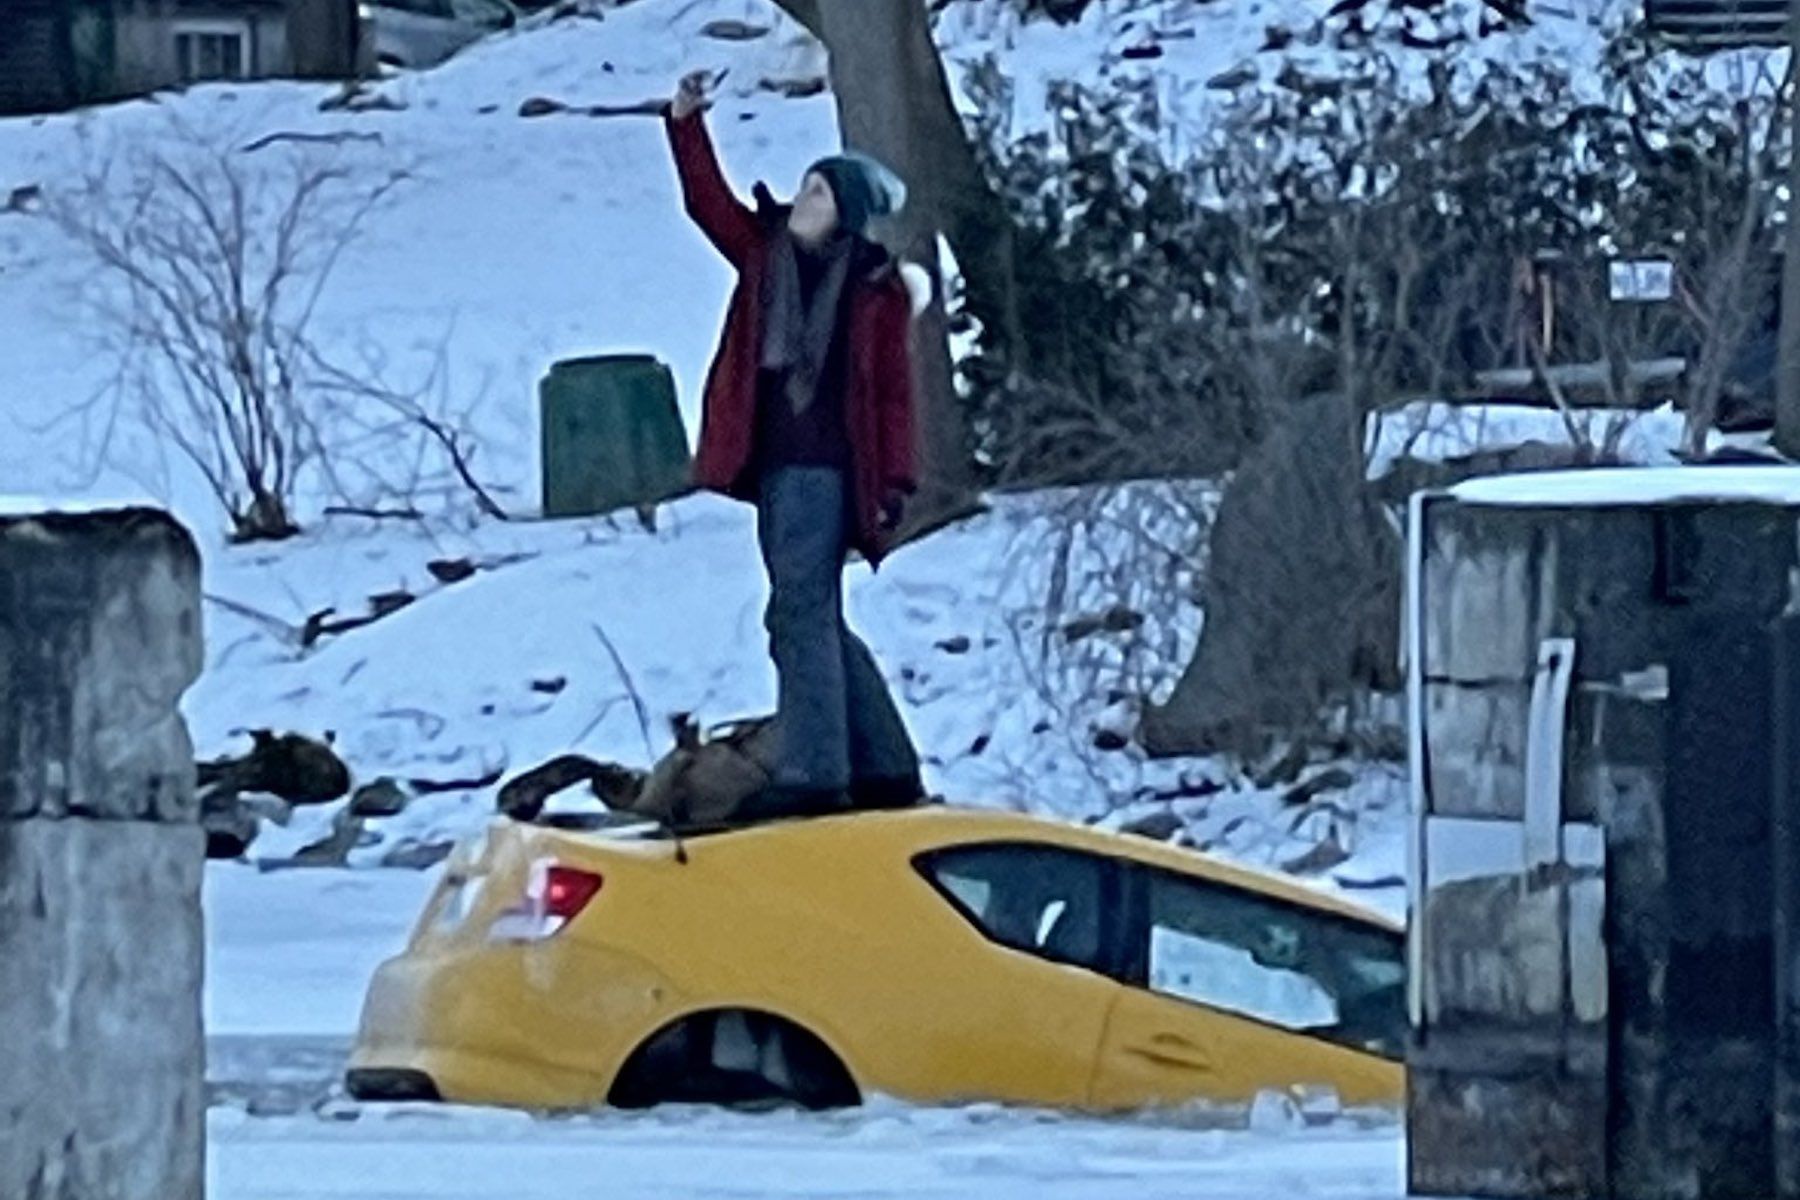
(1043, 900)
(1284, 964)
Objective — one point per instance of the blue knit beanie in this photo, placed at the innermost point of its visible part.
(863, 188)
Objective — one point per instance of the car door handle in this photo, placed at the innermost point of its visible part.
(1173, 1050)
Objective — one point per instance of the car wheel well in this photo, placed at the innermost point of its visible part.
(734, 1056)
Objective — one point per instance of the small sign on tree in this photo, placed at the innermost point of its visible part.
(1642, 281)
(1703, 26)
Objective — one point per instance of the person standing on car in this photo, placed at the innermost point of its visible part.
(808, 414)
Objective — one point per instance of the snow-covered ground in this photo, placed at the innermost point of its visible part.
(290, 953)
(417, 1154)
(1433, 431)
(519, 241)
(588, 635)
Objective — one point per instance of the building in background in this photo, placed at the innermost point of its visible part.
(58, 54)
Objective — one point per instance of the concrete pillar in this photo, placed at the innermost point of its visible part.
(1618, 1019)
(101, 1050)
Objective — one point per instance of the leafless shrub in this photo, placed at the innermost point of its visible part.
(403, 440)
(212, 263)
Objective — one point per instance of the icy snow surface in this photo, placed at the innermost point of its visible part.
(32, 506)
(589, 635)
(887, 1150)
(289, 953)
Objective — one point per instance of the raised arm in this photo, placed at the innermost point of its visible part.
(726, 220)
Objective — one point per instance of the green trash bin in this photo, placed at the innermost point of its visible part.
(612, 435)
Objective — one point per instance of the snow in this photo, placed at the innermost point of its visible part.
(524, 241)
(1230, 978)
(1433, 431)
(290, 953)
(34, 506)
(1212, 57)
(1637, 486)
(1458, 850)
(521, 242)
(495, 674)
(406, 1152)
(518, 242)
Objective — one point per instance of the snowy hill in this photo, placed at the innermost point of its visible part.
(520, 241)
(588, 635)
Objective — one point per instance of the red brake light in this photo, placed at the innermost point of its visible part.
(567, 891)
(554, 896)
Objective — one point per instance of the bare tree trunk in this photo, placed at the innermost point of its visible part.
(1787, 371)
(894, 102)
(322, 39)
(1301, 593)
(1302, 586)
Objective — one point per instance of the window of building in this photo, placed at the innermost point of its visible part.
(212, 50)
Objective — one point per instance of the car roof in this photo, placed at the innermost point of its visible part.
(938, 826)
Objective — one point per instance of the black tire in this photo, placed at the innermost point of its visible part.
(390, 1084)
(735, 1058)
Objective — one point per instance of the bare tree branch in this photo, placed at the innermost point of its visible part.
(330, 139)
(637, 700)
(212, 263)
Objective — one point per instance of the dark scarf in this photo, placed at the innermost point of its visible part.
(797, 331)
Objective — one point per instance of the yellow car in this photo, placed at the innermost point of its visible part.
(935, 954)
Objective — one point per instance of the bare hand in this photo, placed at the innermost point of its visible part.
(691, 95)
(893, 510)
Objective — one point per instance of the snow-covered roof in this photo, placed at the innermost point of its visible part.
(34, 506)
(1632, 486)
(1439, 430)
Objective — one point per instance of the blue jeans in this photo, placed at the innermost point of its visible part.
(836, 719)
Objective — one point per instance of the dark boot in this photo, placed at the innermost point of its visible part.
(775, 802)
(900, 791)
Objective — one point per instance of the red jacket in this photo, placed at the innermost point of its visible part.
(878, 401)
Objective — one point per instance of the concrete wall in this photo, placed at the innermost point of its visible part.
(101, 953)
(33, 66)
(100, 969)
(1600, 1020)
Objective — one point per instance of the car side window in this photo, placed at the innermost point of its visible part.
(1283, 964)
(1043, 900)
